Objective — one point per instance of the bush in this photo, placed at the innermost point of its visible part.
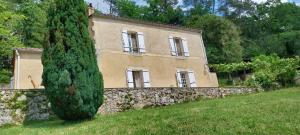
(269, 72)
(73, 83)
(272, 72)
(5, 76)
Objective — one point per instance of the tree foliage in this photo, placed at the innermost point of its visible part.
(33, 27)
(71, 77)
(266, 28)
(232, 67)
(272, 72)
(9, 39)
(156, 11)
(208, 5)
(128, 9)
(221, 38)
(269, 72)
(112, 5)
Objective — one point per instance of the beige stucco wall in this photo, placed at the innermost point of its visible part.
(29, 65)
(162, 67)
(113, 62)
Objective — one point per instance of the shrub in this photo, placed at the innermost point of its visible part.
(272, 72)
(5, 76)
(269, 72)
(73, 83)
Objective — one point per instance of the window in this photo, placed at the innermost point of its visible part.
(186, 78)
(178, 46)
(133, 42)
(138, 78)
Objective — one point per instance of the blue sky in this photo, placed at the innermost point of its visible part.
(99, 4)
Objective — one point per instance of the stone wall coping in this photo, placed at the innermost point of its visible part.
(26, 90)
(37, 90)
(22, 90)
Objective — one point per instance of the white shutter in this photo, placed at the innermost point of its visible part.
(146, 77)
(130, 78)
(125, 38)
(141, 42)
(172, 46)
(178, 78)
(185, 47)
(192, 79)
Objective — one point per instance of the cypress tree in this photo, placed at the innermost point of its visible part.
(71, 77)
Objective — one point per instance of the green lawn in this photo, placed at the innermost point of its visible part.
(276, 112)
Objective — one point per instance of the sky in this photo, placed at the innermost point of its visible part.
(102, 6)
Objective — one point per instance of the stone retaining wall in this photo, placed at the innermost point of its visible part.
(118, 100)
(17, 106)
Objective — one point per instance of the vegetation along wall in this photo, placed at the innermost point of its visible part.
(18, 106)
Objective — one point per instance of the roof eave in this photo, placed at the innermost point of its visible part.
(112, 17)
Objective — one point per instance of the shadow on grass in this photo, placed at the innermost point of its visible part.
(54, 123)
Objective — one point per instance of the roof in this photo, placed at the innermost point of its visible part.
(112, 17)
(29, 49)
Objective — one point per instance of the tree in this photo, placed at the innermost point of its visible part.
(156, 11)
(9, 39)
(129, 9)
(221, 38)
(34, 25)
(282, 18)
(235, 9)
(112, 5)
(197, 10)
(164, 11)
(208, 5)
(281, 29)
(73, 83)
(285, 44)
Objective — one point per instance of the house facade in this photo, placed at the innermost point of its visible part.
(133, 54)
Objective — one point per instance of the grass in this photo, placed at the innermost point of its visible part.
(276, 112)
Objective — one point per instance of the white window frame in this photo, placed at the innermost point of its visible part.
(190, 80)
(127, 43)
(145, 76)
(183, 45)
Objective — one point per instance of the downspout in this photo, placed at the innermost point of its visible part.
(18, 70)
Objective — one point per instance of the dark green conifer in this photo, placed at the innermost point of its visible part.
(71, 76)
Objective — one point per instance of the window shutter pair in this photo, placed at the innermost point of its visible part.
(191, 76)
(127, 42)
(174, 49)
(146, 78)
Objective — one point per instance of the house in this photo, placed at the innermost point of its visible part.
(132, 53)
